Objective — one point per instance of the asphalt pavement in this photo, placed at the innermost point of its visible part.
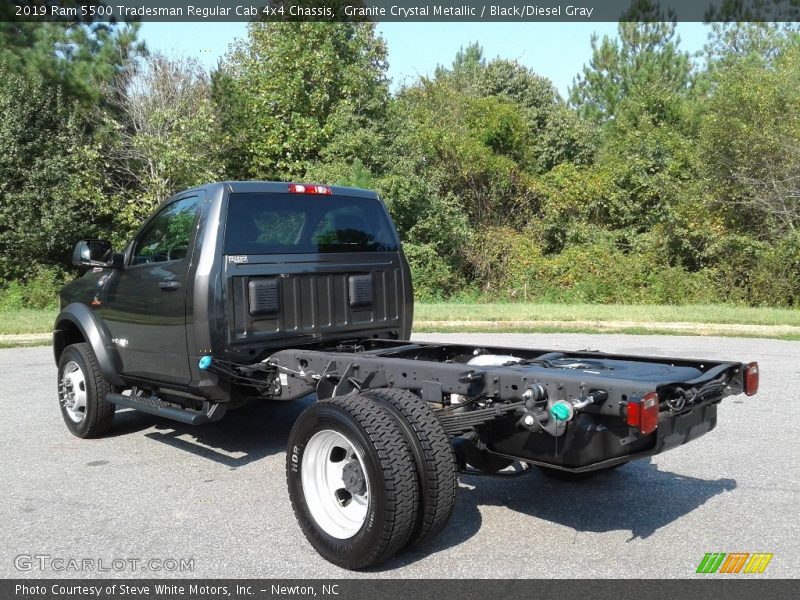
(156, 494)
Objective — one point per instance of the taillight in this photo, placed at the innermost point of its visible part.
(305, 188)
(751, 379)
(643, 413)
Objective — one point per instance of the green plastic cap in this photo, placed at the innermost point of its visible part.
(559, 411)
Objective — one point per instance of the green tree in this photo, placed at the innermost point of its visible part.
(465, 147)
(729, 42)
(750, 136)
(305, 92)
(555, 134)
(467, 60)
(51, 178)
(165, 134)
(232, 131)
(78, 58)
(471, 147)
(646, 53)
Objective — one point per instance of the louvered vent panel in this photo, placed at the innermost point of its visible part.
(361, 290)
(264, 297)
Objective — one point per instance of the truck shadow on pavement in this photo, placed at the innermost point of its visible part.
(244, 435)
(638, 498)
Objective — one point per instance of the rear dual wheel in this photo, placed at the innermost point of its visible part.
(433, 458)
(368, 475)
(351, 481)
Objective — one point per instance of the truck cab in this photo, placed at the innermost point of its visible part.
(237, 270)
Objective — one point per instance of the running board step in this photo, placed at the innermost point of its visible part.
(153, 405)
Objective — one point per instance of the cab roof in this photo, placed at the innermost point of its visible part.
(282, 187)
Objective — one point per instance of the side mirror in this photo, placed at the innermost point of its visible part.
(95, 253)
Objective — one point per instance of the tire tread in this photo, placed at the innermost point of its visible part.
(438, 495)
(102, 416)
(397, 464)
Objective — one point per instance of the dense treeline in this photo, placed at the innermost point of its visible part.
(663, 178)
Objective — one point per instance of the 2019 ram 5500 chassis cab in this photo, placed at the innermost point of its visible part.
(241, 291)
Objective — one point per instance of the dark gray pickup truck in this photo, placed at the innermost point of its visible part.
(245, 291)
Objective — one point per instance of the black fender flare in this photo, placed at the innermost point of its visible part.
(94, 333)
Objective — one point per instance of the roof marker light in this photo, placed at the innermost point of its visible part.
(306, 188)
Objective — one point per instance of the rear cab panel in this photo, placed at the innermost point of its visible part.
(295, 268)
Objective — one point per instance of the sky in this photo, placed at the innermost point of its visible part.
(554, 50)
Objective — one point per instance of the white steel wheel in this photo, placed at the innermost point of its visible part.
(72, 391)
(335, 485)
(352, 481)
(82, 390)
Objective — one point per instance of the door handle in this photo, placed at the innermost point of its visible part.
(168, 286)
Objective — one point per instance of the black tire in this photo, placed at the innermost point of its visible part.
(388, 469)
(573, 477)
(97, 414)
(433, 455)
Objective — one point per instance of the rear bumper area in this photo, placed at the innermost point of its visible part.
(595, 442)
(674, 431)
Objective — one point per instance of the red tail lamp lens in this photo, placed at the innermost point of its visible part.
(643, 413)
(306, 188)
(751, 379)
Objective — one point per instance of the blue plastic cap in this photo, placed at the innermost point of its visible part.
(560, 411)
(205, 362)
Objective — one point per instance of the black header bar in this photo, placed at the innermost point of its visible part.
(400, 10)
(713, 588)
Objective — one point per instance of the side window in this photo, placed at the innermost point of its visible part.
(167, 236)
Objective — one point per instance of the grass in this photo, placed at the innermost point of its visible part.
(27, 320)
(565, 327)
(24, 343)
(630, 319)
(454, 311)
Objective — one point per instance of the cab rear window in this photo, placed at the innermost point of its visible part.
(264, 223)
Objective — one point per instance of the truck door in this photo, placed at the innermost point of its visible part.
(144, 304)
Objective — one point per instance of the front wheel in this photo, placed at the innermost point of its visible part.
(352, 481)
(82, 390)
